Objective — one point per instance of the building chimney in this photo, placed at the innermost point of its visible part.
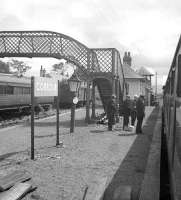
(127, 58)
(41, 71)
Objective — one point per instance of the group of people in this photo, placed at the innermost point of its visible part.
(131, 108)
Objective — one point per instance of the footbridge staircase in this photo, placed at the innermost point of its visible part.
(100, 67)
(110, 78)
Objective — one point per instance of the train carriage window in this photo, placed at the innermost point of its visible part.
(6, 90)
(179, 77)
(26, 90)
(9, 90)
(2, 90)
(18, 91)
(15, 90)
(21, 90)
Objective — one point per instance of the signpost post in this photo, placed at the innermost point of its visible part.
(41, 86)
(32, 118)
(58, 97)
(72, 121)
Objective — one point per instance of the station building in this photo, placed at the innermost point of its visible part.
(137, 82)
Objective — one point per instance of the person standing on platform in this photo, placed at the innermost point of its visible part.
(126, 112)
(133, 110)
(140, 109)
(111, 112)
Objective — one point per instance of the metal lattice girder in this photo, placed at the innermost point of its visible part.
(52, 44)
(94, 62)
(104, 57)
(47, 44)
(120, 73)
(109, 61)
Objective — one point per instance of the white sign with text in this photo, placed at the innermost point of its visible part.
(45, 87)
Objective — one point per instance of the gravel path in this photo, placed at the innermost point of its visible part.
(63, 173)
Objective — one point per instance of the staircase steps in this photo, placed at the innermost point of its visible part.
(105, 90)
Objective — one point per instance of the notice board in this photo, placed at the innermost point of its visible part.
(45, 87)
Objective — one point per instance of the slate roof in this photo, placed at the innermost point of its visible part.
(130, 73)
(144, 72)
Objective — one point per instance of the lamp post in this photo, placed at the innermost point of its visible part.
(74, 84)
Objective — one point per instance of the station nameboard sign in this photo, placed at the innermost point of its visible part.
(45, 87)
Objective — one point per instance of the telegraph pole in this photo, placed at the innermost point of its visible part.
(156, 86)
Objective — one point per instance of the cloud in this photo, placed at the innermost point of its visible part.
(148, 29)
(10, 22)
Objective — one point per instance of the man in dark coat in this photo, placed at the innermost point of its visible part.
(140, 109)
(126, 112)
(111, 112)
(133, 110)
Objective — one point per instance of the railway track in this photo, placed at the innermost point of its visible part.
(12, 121)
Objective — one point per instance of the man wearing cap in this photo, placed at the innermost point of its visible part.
(126, 112)
(111, 112)
(140, 109)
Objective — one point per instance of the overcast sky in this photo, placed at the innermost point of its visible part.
(149, 29)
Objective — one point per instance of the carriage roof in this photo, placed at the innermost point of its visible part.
(11, 79)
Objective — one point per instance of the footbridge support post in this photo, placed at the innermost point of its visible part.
(115, 82)
(113, 72)
(117, 99)
(93, 101)
(113, 85)
(87, 118)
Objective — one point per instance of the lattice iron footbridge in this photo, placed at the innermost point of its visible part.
(101, 67)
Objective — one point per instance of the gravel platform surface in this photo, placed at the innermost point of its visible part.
(63, 173)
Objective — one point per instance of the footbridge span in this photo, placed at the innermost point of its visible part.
(100, 67)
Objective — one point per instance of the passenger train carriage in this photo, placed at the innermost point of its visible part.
(172, 122)
(15, 93)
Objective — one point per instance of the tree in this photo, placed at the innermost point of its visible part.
(63, 69)
(59, 66)
(19, 67)
(4, 67)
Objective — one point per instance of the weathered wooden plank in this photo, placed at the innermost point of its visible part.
(36, 196)
(123, 192)
(96, 191)
(10, 179)
(16, 192)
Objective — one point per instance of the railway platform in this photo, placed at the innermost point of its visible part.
(90, 154)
